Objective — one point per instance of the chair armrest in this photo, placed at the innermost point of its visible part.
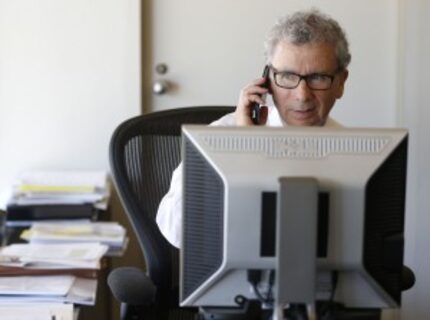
(408, 278)
(131, 286)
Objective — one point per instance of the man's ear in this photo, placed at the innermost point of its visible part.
(342, 79)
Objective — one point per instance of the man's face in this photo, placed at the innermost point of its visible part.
(303, 106)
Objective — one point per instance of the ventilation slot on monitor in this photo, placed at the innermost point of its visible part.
(311, 147)
(203, 220)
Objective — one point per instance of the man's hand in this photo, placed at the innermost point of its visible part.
(253, 93)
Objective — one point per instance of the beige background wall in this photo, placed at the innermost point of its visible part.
(70, 72)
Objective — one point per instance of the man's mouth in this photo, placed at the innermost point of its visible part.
(303, 113)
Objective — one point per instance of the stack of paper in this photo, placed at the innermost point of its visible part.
(39, 311)
(64, 289)
(35, 286)
(111, 234)
(46, 272)
(61, 187)
(57, 195)
(53, 256)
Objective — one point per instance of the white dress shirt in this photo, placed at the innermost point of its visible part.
(169, 215)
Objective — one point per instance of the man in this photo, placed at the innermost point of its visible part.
(307, 55)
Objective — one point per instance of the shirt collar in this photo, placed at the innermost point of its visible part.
(274, 120)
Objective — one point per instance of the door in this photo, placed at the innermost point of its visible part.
(203, 52)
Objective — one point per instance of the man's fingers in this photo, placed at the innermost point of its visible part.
(255, 98)
(250, 95)
(255, 88)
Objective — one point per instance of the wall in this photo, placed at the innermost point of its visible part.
(415, 116)
(69, 73)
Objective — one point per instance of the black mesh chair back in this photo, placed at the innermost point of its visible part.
(144, 151)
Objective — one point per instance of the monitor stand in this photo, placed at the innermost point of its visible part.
(296, 244)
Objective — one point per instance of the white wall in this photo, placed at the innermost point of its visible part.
(415, 115)
(69, 73)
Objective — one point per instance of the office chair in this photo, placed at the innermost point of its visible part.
(144, 151)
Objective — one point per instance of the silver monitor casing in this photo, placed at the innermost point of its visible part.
(249, 160)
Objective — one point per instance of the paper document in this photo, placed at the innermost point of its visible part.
(74, 180)
(40, 311)
(60, 187)
(82, 255)
(36, 285)
(83, 291)
(109, 233)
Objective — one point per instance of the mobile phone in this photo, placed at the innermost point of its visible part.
(255, 112)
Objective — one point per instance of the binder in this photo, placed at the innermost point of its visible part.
(16, 212)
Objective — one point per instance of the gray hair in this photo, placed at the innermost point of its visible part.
(310, 26)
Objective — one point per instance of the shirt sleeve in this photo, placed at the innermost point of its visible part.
(169, 214)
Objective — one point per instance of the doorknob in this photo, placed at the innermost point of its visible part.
(160, 87)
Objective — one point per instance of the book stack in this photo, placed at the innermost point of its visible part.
(50, 272)
(52, 195)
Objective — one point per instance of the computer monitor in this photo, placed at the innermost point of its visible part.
(232, 194)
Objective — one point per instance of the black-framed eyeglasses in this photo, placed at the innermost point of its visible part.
(314, 81)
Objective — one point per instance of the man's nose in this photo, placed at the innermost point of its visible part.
(302, 91)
